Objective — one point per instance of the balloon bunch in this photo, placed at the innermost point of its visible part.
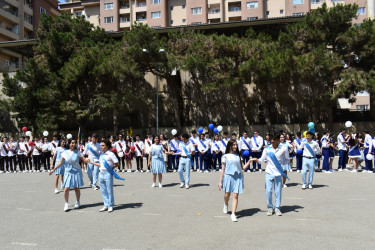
(311, 129)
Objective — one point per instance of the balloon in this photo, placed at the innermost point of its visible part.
(45, 133)
(311, 125)
(28, 133)
(132, 148)
(299, 151)
(245, 153)
(369, 157)
(220, 128)
(174, 131)
(69, 136)
(31, 143)
(200, 130)
(304, 133)
(312, 130)
(216, 130)
(24, 129)
(211, 126)
(348, 124)
(114, 150)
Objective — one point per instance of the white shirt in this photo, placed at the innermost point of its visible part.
(120, 148)
(95, 147)
(209, 143)
(325, 142)
(22, 148)
(35, 150)
(341, 143)
(368, 142)
(148, 144)
(242, 145)
(201, 147)
(3, 151)
(175, 143)
(223, 147)
(282, 155)
(259, 141)
(214, 147)
(189, 147)
(314, 146)
(139, 146)
(298, 145)
(54, 145)
(13, 146)
(111, 159)
(46, 147)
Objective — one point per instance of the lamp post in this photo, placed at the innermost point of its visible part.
(157, 92)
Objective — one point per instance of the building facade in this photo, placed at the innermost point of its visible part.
(18, 21)
(118, 15)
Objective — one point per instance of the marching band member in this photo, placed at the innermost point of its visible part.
(139, 149)
(256, 143)
(156, 162)
(93, 151)
(120, 148)
(194, 140)
(147, 150)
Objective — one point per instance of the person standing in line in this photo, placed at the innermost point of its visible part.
(342, 144)
(164, 144)
(208, 152)
(186, 151)
(21, 155)
(139, 149)
(310, 152)
(195, 140)
(286, 166)
(173, 149)
(147, 150)
(231, 177)
(61, 147)
(93, 152)
(37, 151)
(318, 156)
(297, 143)
(156, 162)
(128, 153)
(368, 150)
(354, 153)
(120, 148)
(256, 143)
(216, 152)
(28, 154)
(325, 152)
(203, 148)
(4, 167)
(244, 145)
(46, 154)
(223, 145)
(12, 147)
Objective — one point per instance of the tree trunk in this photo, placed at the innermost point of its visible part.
(115, 121)
(174, 85)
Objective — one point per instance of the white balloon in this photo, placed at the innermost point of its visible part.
(369, 157)
(174, 131)
(45, 133)
(219, 128)
(348, 124)
(28, 133)
(69, 136)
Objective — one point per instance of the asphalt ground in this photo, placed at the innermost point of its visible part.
(337, 214)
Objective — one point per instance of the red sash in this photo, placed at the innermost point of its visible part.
(4, 148)
(54, 145)
(136, 144)
(148, 141)
(127, 147)
(26, 147)
(166, 149)
(119, 144)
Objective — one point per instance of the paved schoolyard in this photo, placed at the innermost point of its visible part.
(337, 214)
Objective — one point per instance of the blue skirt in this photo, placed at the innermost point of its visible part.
(60, 170)
(287, 167)
(355, 153)
(331, 153)
(73, 179)
(233, 183)
(292, 155)
(158, 166)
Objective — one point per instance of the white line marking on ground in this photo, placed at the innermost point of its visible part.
(151, 214)
(24, 244)
(23, 209)
(308, 219)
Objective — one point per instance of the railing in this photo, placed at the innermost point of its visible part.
(214, 11)
(234, 9)
(125, 6)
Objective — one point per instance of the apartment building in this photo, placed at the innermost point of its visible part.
(117, 15)
(18, 20)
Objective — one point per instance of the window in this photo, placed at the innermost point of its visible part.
(281, 11)
(183, 6)
(28, 18)
(171, 22)
(79, 13)
(214, 11)
(108, 6)
(361, 11)
(252, 5)
(155, 27)
(299, 14)
(196, 11)
(267, 13)
(155, 1)
(43, 11)
(196, 23)
(362, 107)
(143, 4)
(88, 16)
(315, 1)
(298, 2)
(184, 20)
(171, 8)
(156, 14)
(252, 18)
(108, 19)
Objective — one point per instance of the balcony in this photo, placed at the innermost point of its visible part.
(28, 26)
(9, 33)
(214, 12)
(88, 3)
(214, 2)
(141, 6)
(141, 17)
(8, 15)
(125, 8)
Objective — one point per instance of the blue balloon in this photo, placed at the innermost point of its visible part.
(245, 153)
(216, 130)
(299, 151)
(200, 130)
(211, 126)
(311, 125)
(312, 130)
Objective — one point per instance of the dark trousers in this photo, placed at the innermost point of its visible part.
(12, 163)
(46, 160)
(21, 161)
(139, 161)
(299, 161)
(146, 155)
(256, 155)
(203, 158)
(122, 163)
(3, 160)
(36, 160)
(343, 159)
(175, 160)
(195, 160)
(368, 164)
(28, 162)
(217, 159)
(325, 159)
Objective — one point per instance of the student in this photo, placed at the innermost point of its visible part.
(37, 151)
(139, 149)
(297, 143)
(148, 144)
(231, 177)
(4, 156)
(28, 155)
(92, 150)
(286, 166)
(173, 148)
(256, 144)
(61, 147)
(216, 152)
(120, 148)
(72, 173)
(21, 155)
(46, 154)
(332, 149)
(325, 152)
(156, 162)
(195, 140)
(107, 162)
(245, 145)
(203, 148)
(186, 151)
(276, 156)
(164, 144)
(128, 153)
(12, 154)
(311, 150)
(209, 151)
(343, 149)
(368, 150)
(354, 153)
(318, 156)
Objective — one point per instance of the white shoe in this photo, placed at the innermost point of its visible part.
(123, 170)
(1, 172)
(310, 187)
(14, 172)
(110, 209)
(303, 186)
(56, 191)
(225, 209)
(346, 169)
(182, 185)
(327, 172)
(290, 170)
(285, 186)
(248, 171)
(340, 169)
(160, 185)
(44, 170)
(278, 212)
(370, 172)
(7, 172)
(141, 171)
(25, 171)
(214, 170)
(137, 171)
(200, 171)
(298, 171)
(354, 171)
(187, 186)
(103, 209)
(77, 205)
(129, 171)
(206, 171)
(148, 171)
(233, 217)
(153, 185)
(260, 170)
(38, 171)
(66, 207)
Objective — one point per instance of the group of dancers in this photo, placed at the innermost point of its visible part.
(102, 161)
